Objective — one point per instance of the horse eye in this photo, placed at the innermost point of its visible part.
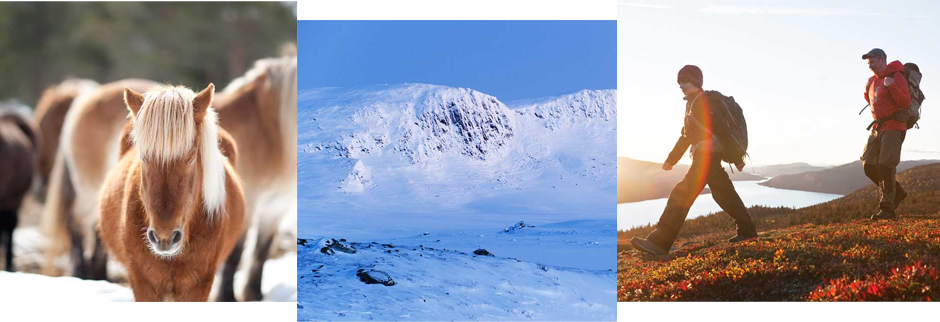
(192, 160)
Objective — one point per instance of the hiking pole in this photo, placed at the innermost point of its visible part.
(863, 109)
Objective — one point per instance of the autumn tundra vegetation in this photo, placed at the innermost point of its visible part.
(826, 252)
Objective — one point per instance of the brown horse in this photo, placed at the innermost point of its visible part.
(260, 111)
(172, 209)
(19, 149)
(88, 148)
(50, 114)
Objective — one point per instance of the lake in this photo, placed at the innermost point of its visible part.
(640, 213)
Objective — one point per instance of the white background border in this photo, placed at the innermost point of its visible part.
(457, 10)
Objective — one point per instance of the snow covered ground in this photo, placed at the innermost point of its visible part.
(438, 277)
(450, 169)
(278, 283)
(584, 244)
(35, 288)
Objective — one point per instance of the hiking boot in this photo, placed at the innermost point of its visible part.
(647, 246)
(899, 196)
(742, 237)
(884, 215)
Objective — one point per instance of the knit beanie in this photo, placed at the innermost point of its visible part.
(692, 73)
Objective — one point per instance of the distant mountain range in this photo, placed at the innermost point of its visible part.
(643, 180)
(842, 179)
(785, 169)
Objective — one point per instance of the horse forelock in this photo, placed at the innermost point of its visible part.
(164, 127)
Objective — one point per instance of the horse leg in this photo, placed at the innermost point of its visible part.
(143, 290)
(261, 251)
(99, 261)
(6, 241)
(8, 219)
(227, 291)
(199, 292)
(78, 249)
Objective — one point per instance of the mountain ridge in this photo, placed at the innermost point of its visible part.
(427, 149)
(843, 179)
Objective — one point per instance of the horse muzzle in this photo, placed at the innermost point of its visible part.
(165, 246)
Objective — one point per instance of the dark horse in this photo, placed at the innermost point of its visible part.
(19, 147)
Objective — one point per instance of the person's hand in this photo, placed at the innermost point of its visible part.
(667, 166)
(740, 166)
(889, 81)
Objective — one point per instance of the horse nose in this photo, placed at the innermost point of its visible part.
(152, 236)
(177, 237)
(165, 243)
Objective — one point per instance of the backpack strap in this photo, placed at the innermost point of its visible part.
(879, 122)
(867, 88)
(695, 120)
(863, 109)
(699, 124)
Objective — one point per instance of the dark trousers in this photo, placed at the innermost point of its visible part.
(706, 169)
(880, 161)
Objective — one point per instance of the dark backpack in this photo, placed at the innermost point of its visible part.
(730, 126)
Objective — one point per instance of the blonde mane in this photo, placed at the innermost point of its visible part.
(164, 129)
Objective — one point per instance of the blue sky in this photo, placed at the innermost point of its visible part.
(507, 59)
(794, 66)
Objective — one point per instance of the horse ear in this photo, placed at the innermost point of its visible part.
(133, 100)
(202, 101)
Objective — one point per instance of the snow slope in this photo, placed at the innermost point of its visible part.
(585, 244)
(441, 157)
(438, 277)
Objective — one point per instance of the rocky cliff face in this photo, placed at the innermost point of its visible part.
(416, 145)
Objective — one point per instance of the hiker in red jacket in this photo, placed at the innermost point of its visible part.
(706, 169)
(887, 93)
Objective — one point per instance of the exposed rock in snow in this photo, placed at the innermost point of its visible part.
(568, 109)
(482, 252)
(419, 122)
(517, 226)
(371, 276)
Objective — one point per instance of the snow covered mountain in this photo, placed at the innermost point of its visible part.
(423, 181)
(451, 157)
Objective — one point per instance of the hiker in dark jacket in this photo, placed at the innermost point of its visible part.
(887, 93)
(706, 169)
